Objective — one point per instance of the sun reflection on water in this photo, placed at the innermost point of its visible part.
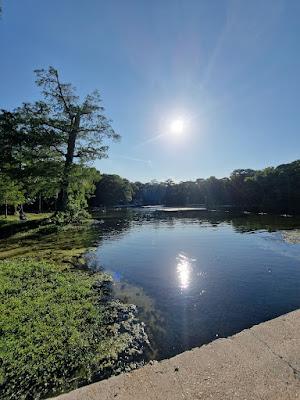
(184, 270)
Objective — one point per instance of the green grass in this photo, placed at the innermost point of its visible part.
(15, 218)
(59, 327)
(44, 241)
(55, 332)
(49, 324)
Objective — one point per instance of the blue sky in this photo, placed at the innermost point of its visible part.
(231, 69)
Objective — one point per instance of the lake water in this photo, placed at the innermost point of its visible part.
(198, 275)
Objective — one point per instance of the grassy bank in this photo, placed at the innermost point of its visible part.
(15, 218)
(60, 326)
(37, 238)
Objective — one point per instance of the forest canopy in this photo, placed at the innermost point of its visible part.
(273, 189)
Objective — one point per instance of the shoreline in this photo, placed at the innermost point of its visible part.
(260, 362)
(120, 323)
(291, 236)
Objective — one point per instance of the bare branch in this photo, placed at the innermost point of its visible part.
(67, 108)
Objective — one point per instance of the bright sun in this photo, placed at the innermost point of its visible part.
(177, 126)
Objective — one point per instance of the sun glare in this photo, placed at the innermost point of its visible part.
(184, 270)
(177, 126)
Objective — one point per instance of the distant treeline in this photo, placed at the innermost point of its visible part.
(271, 190)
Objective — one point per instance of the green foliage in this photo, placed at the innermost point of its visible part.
(271, 189)
(113, 190)
(72, 215)
(27, 157)
(10, 191)
(62, 113)
(49, 324)
(46, 142)
(81, 187)
(78, 127)
(55, 331)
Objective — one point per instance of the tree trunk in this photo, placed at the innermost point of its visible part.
(63, 196)
(40, 203)
(56, 201)
(5, 209)
(22, 215)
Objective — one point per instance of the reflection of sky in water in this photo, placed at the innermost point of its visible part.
(205, 279)
(274, 242)
(184, 270)
(117, 276)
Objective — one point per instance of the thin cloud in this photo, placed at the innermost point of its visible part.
(147, 162)
(150, 140)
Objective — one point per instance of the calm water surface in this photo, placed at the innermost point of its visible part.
(199, 275)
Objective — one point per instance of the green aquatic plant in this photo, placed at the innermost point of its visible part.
(60, 329)
(45, 240)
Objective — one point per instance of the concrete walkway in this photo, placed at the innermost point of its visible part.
(261, 363)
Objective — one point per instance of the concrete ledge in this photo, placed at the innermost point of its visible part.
(261, 363)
